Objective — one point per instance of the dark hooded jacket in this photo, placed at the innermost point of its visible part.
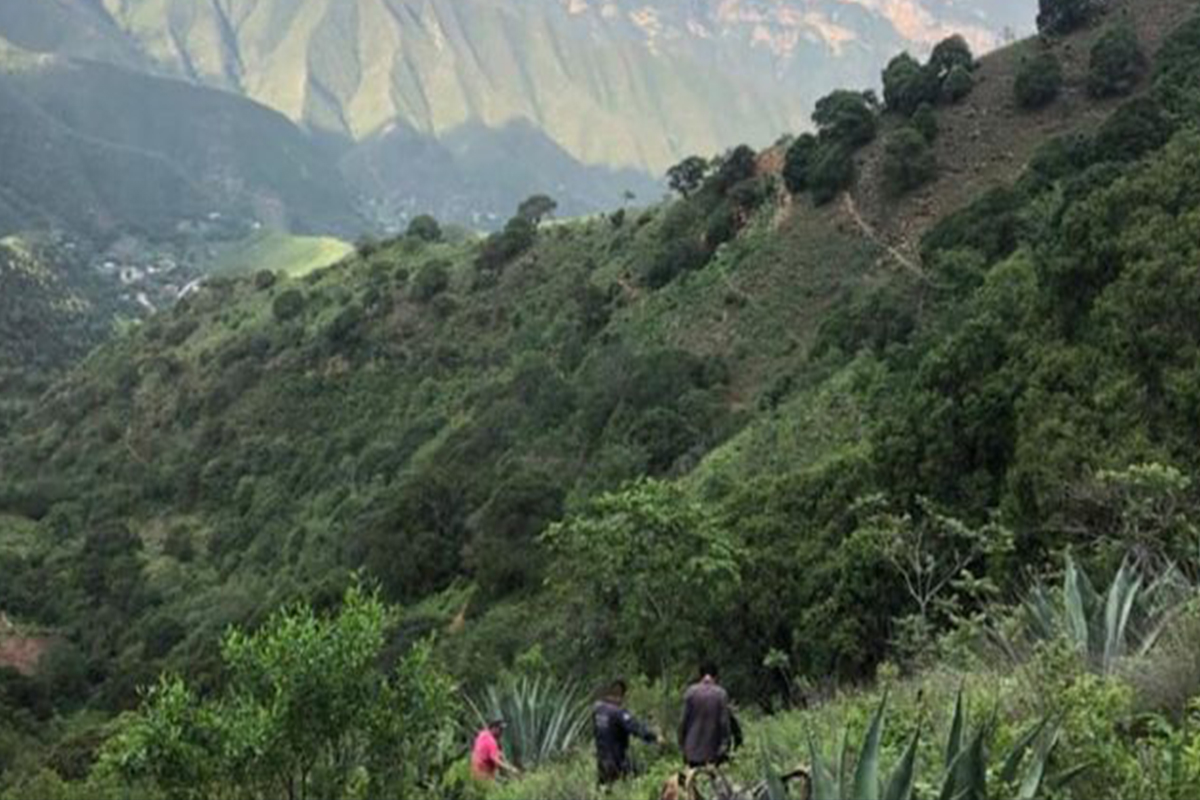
(612, 727)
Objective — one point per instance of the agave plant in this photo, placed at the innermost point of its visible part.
(545, 717)
(1126, 620)
(832, 781)
(966, 775)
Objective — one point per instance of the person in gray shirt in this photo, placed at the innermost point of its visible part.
(709, 730)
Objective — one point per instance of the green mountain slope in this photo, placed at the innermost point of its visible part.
(99, 150)
(463, 108)
(775, 377)
(53, 310)
(622, 83)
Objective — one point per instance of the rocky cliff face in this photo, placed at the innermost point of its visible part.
(625, 83)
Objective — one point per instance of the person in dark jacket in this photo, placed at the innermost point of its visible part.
(612, 726)
(709, 730)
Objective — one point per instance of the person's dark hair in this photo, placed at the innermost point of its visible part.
(709, 668)
(496, 722)
(618, 688)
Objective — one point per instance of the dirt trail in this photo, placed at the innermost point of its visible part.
(851, 209)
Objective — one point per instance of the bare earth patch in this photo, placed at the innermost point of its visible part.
(18, 652)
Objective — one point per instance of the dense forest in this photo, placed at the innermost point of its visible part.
(896, 418)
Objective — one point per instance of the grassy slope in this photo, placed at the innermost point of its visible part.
(275, 251)
(986, 141)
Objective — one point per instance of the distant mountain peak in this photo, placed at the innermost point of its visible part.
(625, 83)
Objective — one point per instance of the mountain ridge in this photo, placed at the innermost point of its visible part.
(627, 84)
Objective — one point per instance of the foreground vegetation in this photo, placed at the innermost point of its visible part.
(733, 426)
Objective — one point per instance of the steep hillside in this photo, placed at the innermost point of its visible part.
(462, 109)
(98, 150)
(53, 310)
(548, 444)
(626, 84)
(987, 141)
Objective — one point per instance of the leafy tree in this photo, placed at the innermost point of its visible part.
(798, 162)
(431, 279)
(499, 249)
(958, 84)
(686, 176)
(935, 553)
(1039, 81)
(925, 120)
(907, 84)
(288, 305)
(908, 161)
(536, 208)
(1138, 127)
(846, 117)
(503, 552)
(737, 166)
(425, 228)
(306, 713)
(1117, 63)
(1176, 64)
(832, 171)
(634, 562)
(1063, 16)
(950, 54)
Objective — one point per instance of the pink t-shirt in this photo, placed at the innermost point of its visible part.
(485, 756)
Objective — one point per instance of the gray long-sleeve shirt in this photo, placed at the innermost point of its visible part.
(707, 729)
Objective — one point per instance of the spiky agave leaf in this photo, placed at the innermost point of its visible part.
(772, 779)
(1075, 607)
(824, 784)
(954, 741)
(900, 783)
(866, 771)
(1117, 608)
(1031, 782)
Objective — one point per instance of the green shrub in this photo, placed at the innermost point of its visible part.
(265, 279)
(958, 84)
(425, 228)
(798, 162)
(306, 712)
(845, 118)
(925, 120)
(1138, 127)
(431, 279)
(832, 171)
(907, 84)
(499, 249)
(288, 305)
(1176, 65)
(908, 161)
(950, 54)
(1063, 16)
(735, 167)
(1039, 81)
(686, 176)
(1117, 63)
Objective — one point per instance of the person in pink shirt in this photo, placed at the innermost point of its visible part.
(487, 760)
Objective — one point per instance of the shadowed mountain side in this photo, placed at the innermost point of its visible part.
(96, 148)
(477, 175)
